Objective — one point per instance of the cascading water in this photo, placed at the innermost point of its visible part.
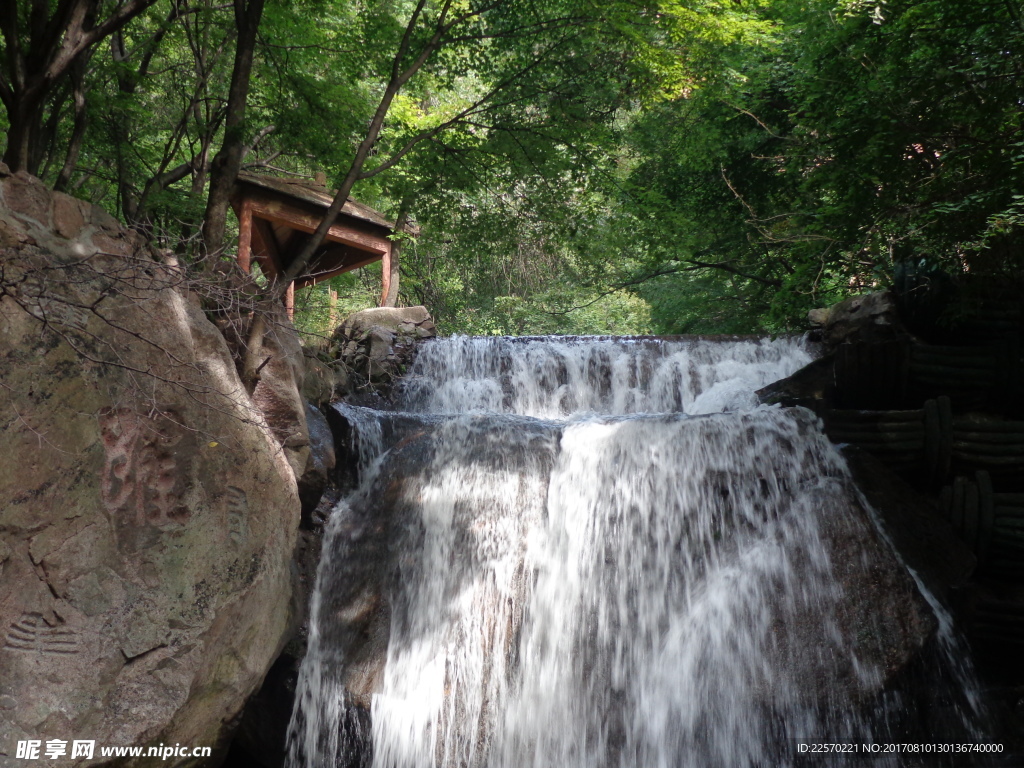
(560, 564)
(604, 375)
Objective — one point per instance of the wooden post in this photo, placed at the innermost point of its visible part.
(390, 262)
(385, 264)
(332, 302)
(245, 236)
(289, 300)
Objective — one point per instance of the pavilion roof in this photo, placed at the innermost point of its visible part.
(277, 216)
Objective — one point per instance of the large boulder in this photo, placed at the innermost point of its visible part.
(865, 362)
(869, 318)
(371, 349)
(392, 320)
(148, 512)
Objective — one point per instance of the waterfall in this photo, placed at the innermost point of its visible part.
(601, 553)
(604, 375)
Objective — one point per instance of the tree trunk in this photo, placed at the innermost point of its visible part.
(58, 37)
(24, 120)
(228, 161)
(399, 78)
(78, 133)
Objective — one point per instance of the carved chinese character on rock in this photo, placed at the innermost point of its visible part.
(237, 508)
(32, 634)
(141, 482)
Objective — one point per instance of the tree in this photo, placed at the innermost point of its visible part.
(43, 45)
(864, 133)
(228, 162)
(528, 43)
(682, 151)
(533, 94)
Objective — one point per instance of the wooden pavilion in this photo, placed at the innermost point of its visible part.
(276, 217)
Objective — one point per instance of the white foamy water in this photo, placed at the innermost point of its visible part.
(658, 590)
(554, 378)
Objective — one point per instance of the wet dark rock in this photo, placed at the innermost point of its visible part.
(881, 613)
(924, 539)
(320, 463)
(396, 429)
(811, 386)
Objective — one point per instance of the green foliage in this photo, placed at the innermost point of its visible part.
(316, 315)
(618, 314)
(859, 134)
(668, 165)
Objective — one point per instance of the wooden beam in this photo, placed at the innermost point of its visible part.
(350, 265)
(304, 282)
(321, 276)
(266, 247)
(295, 218)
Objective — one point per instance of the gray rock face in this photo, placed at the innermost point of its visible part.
(871, 317)
(393, 320)
(147, 512)
(373, 347)
(277, 393)
(319, 381)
